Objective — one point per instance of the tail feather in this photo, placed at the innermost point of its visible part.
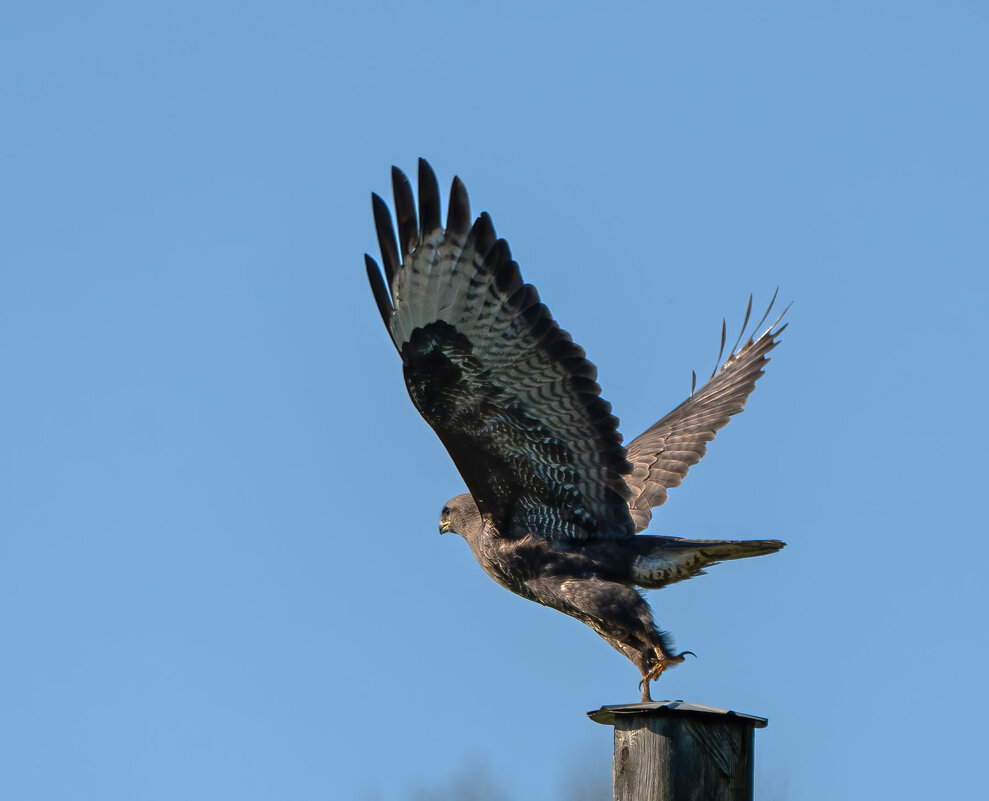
(660, 561)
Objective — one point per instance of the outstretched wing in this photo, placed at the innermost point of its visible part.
(662, 455)
(511, 396)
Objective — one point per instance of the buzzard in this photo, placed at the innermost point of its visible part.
(556, 502)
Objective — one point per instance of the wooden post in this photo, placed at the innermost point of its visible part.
(673, 751)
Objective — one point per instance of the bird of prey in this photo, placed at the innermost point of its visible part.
(555, 502)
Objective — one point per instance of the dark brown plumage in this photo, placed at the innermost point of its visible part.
(555, 499)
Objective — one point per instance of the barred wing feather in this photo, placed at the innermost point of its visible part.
(662, 455)
(511, 396)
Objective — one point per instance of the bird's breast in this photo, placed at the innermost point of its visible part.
(516, 563)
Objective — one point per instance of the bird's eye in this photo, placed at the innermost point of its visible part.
(445, 513)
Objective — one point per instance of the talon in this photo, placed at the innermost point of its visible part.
(664, 661)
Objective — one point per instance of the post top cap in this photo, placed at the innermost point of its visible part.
(606, 715)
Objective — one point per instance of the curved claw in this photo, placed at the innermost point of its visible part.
(682, 654)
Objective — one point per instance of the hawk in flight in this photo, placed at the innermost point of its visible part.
(556, 501)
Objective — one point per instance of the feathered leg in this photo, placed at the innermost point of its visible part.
(623, 618)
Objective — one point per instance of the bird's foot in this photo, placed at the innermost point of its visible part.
(663, 661)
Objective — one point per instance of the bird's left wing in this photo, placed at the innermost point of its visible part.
(511, 396)
(662, 455)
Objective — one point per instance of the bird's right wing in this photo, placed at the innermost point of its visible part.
(662, 455)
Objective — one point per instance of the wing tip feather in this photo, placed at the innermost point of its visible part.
(458, 211)
(379, 290)
(429, 200)
(386, 236)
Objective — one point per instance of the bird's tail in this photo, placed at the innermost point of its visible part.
(659, 561)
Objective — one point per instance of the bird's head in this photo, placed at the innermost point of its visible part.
(460, 516)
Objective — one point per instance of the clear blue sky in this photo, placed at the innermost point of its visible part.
(219, 569)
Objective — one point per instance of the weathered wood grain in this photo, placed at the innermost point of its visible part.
(670, 751)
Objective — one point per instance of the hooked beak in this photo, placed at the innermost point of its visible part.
(444, 526)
